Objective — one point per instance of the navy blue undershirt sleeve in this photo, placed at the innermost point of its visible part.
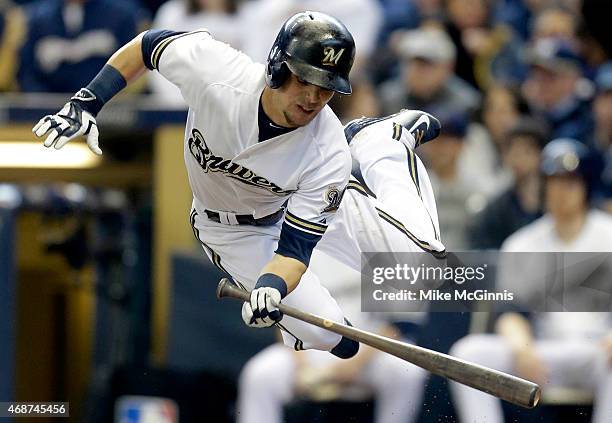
(296, 244)
(151, 39)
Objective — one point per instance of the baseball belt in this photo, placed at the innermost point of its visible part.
(244, 219)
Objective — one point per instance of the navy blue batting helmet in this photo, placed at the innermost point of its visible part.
(315, 47)
(564, 156)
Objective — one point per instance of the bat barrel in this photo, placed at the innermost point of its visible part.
(502, 385)
(510, 388)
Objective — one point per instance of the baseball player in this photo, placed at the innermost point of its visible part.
(267, 162)
(388, 206)
(266, 158)
(555, 349)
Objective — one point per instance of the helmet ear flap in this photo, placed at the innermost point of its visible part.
(276, 69)
(282, 73)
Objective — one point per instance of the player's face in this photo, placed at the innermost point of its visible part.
(566, 195)
(299, 101)
(500, 112)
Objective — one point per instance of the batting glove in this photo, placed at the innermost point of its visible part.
(69, 123)
(262, 310)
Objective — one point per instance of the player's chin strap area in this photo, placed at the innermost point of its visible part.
(229, 218)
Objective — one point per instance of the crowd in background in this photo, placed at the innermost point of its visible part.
(504, 76)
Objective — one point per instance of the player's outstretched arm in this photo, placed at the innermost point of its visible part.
(78, 116)
(279, 277)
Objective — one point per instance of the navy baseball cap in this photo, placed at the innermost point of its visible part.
(530, 127)
(603, 80)
(554, 55)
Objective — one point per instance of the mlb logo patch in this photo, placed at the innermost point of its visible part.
(141, 409)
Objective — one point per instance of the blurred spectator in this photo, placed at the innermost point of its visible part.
(602, 140)
(407, 14)
(362, 102)
(68, 41)
(486, 51)
(277, 374)
(457, 196)
(554, 349)
(398, 16)
(427, 81)
(12, 29)
(602, 109)
(514, 14)
(519, 14)
(217, 16)
(596, 15)
(363, 18)
(590, 47)
(520, 204)
(481, 158)
(555, 22)
(500, 59)
(556, 90)
(501, 109)
(469, 27)
(430, 9)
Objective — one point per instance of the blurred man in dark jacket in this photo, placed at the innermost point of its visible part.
(427, 81)
(521, 203)
(557, 91)
(68, 41)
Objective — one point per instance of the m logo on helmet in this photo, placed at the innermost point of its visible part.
(330, 57)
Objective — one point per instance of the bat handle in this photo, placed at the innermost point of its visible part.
(228, 288)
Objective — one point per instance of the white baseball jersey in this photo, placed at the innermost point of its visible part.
(567, 343)
(234, 172)
(230, 170)
(541, 236)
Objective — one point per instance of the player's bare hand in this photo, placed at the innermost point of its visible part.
(69, 123)
(529, 366)
(262, 310)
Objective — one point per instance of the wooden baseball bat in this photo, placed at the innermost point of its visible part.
(502, 385)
